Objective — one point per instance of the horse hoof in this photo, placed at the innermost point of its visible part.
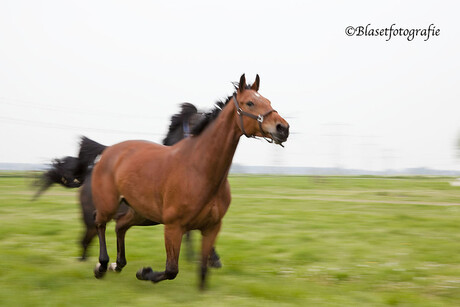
(215, 263)
(143, 274)
(113, 267)
(98, 273)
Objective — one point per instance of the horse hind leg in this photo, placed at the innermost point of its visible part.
(214, 259)
(106, 204)
(88, 213)
(101, 267)
(189, 253)
(124, 222)
(90, 233)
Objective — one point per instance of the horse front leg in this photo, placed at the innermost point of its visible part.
(173, 239)
(207, 250)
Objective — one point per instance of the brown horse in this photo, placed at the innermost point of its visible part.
(184, 186)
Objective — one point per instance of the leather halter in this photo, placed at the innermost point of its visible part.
(186, 128)
(260, 119)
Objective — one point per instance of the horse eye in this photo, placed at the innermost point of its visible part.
(250, 104)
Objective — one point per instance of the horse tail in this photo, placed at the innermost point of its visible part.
(71, 172)
(64, 171)
(89, 151)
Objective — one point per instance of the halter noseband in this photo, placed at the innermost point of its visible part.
(259, 118)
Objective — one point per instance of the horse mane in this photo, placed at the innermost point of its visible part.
(177, 120)
(210, 116)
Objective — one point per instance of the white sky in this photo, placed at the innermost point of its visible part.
(117, 70)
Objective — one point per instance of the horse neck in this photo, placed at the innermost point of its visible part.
(216, 145)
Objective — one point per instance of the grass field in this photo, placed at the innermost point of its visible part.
(304, 241)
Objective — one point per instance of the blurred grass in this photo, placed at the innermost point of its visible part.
(304, 241)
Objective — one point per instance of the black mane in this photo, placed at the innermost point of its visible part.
(210, 116)
(177, 121)
(187, 111)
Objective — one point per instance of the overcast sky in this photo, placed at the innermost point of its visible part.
(117, 70)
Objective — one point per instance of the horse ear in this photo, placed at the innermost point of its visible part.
(242, 84)
(255, 85)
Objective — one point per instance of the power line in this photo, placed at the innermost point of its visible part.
(70, 109)
(76, 110)
(71, 127)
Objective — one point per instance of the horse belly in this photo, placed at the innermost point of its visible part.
(144, 203)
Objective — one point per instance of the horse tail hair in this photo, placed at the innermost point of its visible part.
(88, 155)
(71, 172)
(89, 151)
(64, 171)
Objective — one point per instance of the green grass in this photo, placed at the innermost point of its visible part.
(303, 241)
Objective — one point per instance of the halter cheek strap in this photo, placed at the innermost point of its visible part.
(260, 119)
(186, 129)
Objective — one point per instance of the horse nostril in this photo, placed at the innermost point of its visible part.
(282, 129)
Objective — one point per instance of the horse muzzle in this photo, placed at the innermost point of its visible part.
(281, 135)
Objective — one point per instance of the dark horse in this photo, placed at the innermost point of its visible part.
(74, 172)
(183, 186)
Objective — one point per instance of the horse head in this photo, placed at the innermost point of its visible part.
(257, 118)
